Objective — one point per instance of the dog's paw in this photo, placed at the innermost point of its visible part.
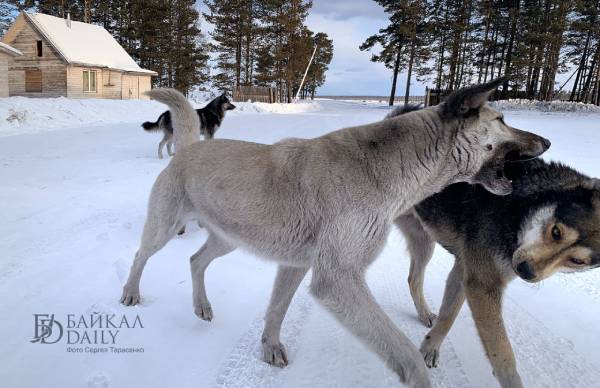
(131, 296)
(431, 353)
(275, 354)
(427, 318)
(204, 312)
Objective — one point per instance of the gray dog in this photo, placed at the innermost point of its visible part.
(326, 203)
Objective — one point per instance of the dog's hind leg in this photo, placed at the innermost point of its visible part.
(454, 298)
(165, 211)
(213, 247)
(286, 283)
(162, 143)
(338, 283)
(169, 147)
(420, 247)
(156, 234)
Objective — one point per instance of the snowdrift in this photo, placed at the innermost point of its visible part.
(20, 115)
(546, 106)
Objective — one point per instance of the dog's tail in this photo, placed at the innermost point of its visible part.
(151, 126)
(183, 115)
(406, 108)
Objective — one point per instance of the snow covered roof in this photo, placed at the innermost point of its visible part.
(9, 50)
(84, 44)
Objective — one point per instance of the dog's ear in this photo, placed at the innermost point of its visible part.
(466, 100)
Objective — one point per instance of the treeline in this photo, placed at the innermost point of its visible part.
(266, 43)
(453, 43)
(254, 42)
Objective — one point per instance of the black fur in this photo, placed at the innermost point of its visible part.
(211, 117)
(406, 108)
(481, 221)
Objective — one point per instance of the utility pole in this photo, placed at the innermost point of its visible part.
(305, 73)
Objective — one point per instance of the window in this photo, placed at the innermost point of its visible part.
(89, 81)
(39, 48)
(33, 81)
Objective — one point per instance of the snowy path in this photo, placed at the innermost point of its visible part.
(72, 205)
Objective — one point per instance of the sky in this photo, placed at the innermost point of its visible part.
(349, 23)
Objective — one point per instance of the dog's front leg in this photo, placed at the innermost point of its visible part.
(485, 302)
(286, 283)
(338, 283)
(454, 298)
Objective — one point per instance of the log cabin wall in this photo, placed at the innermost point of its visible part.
(36, 58)
(4, 59)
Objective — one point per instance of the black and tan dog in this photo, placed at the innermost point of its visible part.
(211, 117)
(550, 223)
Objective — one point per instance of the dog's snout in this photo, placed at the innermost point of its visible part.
(525, 271)
(547, 143)
(530, 144)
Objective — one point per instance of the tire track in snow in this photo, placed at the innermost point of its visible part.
(244, 366)
(330, 356)
(397, 302)
(544, 359)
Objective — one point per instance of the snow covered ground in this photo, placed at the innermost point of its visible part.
(72, 205)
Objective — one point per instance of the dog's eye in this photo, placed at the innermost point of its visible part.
(576, 261)
(489, 147)
(556, 234)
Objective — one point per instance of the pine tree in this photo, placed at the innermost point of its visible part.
(7, 15)
(583, 51)
(403, 41)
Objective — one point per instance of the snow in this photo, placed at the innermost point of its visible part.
(73, 201)
(546, 106)
(11, 50)
(20, 115)
(85, 44)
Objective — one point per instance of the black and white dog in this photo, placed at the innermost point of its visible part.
(211, 117)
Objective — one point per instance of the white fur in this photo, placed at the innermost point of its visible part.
(533, 229)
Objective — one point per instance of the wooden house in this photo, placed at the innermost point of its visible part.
(7, 54)
(71, 59)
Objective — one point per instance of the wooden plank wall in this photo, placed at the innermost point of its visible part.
(75, 83)
(4, 58)
(54, 70)
(111, 84)
(145, 85)
(255, 94)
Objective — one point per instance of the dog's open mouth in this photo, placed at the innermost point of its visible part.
(493, 175)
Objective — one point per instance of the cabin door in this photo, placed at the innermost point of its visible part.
(131, 88)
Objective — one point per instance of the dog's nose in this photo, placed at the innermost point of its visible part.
(525, 271)
(546, 143)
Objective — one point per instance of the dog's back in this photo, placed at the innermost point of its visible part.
(464, 215)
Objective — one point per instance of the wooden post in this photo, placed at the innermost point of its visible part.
(305, 73)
